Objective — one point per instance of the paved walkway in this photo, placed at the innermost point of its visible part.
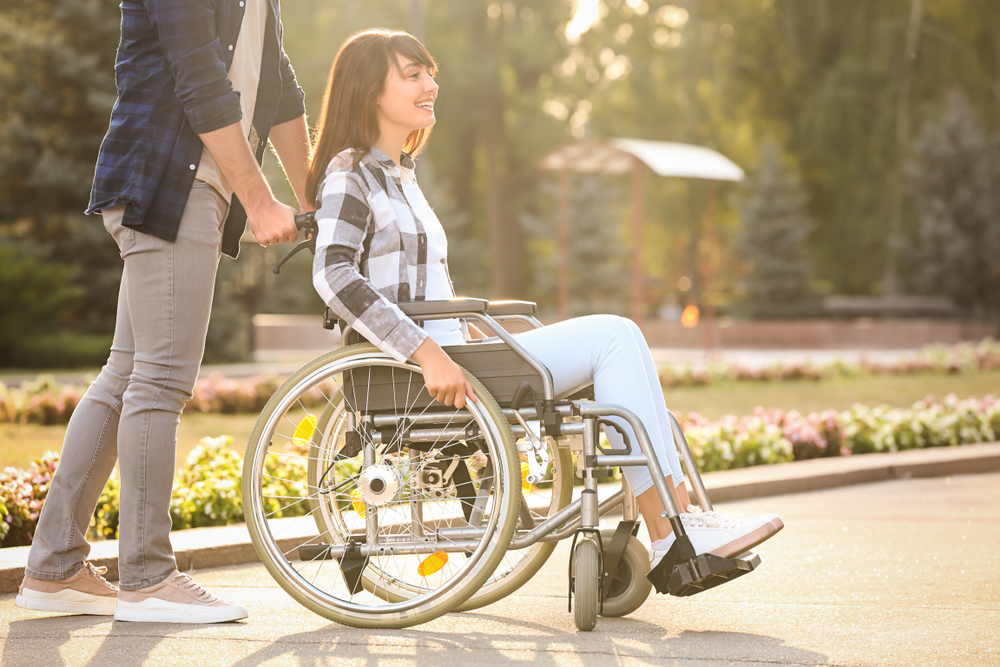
(902, 572)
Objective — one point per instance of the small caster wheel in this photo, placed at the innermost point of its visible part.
(629, 586)
(586, 584)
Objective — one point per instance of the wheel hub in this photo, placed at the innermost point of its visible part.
(380, 484)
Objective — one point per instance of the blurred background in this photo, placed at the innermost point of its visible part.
(867, 130)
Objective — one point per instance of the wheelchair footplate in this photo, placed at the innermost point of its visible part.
(681, 575)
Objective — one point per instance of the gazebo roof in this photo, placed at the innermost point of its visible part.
(666, 158)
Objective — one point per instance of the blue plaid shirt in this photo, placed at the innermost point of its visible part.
(171, 73)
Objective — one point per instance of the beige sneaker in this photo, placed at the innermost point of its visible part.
(176, 599)
(86, 592)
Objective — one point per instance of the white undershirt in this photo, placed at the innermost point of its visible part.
(244, 74)
(444, 332)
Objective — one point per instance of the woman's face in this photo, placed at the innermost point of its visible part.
(407, 103)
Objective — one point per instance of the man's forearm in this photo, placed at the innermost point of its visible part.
(232, 153)
(270, 221)
(291, 143)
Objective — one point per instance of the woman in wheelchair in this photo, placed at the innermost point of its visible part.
(379, 243)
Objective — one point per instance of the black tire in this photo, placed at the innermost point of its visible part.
(630, 587)
(270, 521)
(586, 583)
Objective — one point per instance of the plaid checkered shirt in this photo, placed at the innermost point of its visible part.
(171, 72)
(371, 250)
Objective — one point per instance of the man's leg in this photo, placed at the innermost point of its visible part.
(56, 578)
(170, 288)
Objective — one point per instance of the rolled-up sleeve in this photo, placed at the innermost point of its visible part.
(293, 101)
(187, 36)
(344, 218)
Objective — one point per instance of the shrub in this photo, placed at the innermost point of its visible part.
(22, 493)
(66, 349)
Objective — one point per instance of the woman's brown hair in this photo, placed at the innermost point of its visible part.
(349, 118)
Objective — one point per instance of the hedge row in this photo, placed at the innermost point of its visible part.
(207, 490)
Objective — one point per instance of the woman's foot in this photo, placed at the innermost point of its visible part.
(718, 534)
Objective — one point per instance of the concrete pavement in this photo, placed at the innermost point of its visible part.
(902, 572)
(201, 548)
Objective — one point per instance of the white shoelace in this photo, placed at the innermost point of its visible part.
(97, 572)
(711, 518)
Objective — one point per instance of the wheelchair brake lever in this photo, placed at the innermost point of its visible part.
(307, 223)
(302, 245)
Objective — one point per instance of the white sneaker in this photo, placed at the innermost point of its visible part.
(176, 599)
(722, 535)
(86, 592)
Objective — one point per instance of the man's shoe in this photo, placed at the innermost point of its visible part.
(86, 592)
(721, 535)
(176, 599)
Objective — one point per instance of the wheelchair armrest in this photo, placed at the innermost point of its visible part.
(506, 308)
(423, 310)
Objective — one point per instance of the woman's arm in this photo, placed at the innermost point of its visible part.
(444, 379)
(475, 333)
(343, 219)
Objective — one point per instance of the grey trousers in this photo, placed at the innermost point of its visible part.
(131, 411)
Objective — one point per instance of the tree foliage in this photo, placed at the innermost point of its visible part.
(830, 80)
(954, 176)
(776, 226)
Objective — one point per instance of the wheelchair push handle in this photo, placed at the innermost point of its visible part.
(304, 222)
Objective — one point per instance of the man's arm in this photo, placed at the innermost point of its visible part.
(271, 222)
(291, 143)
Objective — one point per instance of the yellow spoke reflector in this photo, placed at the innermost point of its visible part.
(358, 503)
(432, 563)
(304, 431)
(525, 487)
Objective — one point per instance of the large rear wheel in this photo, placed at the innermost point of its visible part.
(371, 504)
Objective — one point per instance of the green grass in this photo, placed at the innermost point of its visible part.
(20, 444)
(740, 398)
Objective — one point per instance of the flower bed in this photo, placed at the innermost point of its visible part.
(207, 491)
(775, 436)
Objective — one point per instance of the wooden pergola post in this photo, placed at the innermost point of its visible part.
(709, 260)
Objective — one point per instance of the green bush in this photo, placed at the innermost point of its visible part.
(34, 296)
(65, 349)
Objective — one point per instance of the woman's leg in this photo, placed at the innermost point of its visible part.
(611, 352)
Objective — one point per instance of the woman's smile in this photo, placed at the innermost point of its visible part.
(408, 85)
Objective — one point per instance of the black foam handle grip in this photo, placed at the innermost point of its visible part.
(520, 395)
(305, 220)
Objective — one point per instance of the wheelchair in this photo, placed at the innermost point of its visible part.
(411, 509)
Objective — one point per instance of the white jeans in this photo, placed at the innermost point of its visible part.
(611, 352)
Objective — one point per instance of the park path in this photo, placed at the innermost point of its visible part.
(902, 573)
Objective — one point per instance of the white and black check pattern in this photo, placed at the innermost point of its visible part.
(371, 250)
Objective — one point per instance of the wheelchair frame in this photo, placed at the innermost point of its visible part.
(593, 566)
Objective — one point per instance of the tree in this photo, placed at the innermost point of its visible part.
(776, 227)
(953, 177)
(599, 275)
(57, 88)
